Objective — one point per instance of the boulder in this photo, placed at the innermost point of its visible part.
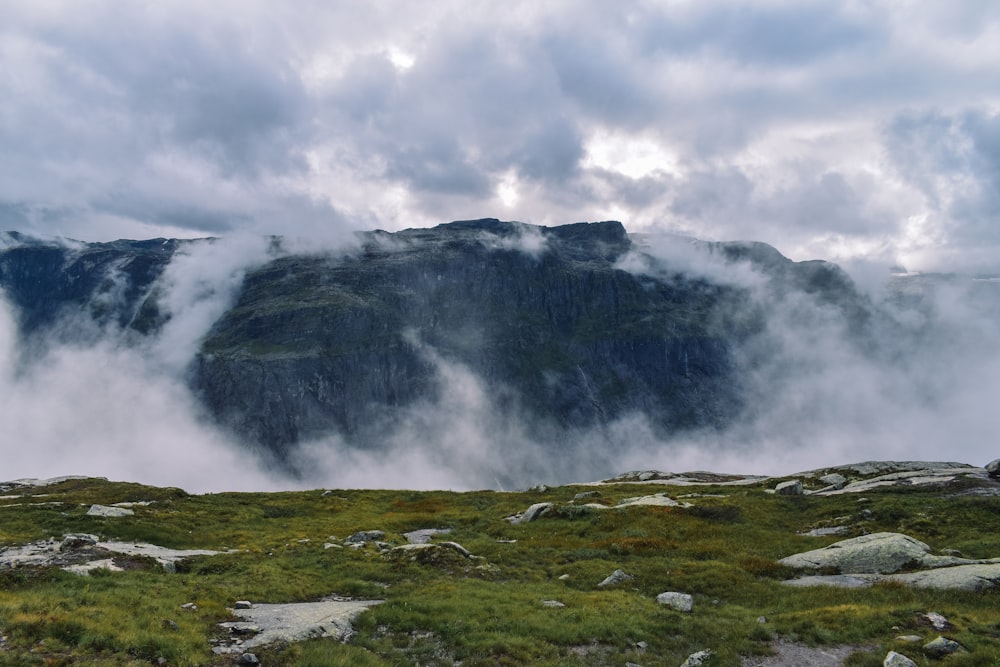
(698, 659)
(836, 480)
(424, 535)
(363, 536)
(935, 620)
(790, 488)
(941, 647)
(616, 577)
(993, 469)
(656, 500)
(78, 541)
(976, 577)
(530, 514)
(109, 512)
(893, 659)
(679, 601)
(876, 553)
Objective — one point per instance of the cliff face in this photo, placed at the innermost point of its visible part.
(556, 332)
(560, 334)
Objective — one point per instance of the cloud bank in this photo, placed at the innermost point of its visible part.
(836, 130)
(914, 378)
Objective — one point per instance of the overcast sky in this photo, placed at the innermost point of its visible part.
(828, 129)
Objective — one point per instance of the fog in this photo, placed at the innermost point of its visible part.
(918, 381)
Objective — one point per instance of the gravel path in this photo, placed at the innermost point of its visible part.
(798, 655)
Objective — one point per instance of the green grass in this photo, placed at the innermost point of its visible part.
(723, 551)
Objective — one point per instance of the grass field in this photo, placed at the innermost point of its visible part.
(488, 611)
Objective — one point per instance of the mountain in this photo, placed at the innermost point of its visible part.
(559, 329)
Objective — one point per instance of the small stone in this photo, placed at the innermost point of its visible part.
(363, 536)
(331, 545)
(790, 488)
(642, 646)
(936, 620)
(248, 659)
(616, 577)
(762, 619)
(941, 647)
(170, 625)
(679, 601)
(189, 606)
(563, 577)
(909, 639)
(243, 604)
(698, 659)
(587, 494)
(552, 603)
(893, 659)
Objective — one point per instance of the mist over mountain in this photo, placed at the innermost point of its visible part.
(478, 353)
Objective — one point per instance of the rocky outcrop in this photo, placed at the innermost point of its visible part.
(563, 337)
(868, 559)
(263, 624)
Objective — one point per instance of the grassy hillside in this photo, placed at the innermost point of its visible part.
(486, 611)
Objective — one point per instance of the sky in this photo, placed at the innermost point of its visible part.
(854, 131)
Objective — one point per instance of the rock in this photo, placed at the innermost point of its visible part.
(976, 577)
(424, 535)
(836, 480)
(993, 469)
(243, 604)
(789, 488)
(78, 540)
(697, 659)
(563, 577)
(248, 659)
(616, 577)
(555, 604)
(893, 659)
(587, 494)
(903, 474)
(836, 580)
(679, 601)
(936, 621)
(441, 554)
(941, 647)
(875, 553)
(656, 500)
(296, 622)
(530, 514)
(109, 512)
(826, 531)
(363, 536)
(909, 639)
(189, 606)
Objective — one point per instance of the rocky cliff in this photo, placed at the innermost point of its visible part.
(557, 326)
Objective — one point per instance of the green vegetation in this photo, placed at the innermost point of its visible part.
(486, 611)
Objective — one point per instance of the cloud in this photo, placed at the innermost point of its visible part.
(106, 411)
(769, 119)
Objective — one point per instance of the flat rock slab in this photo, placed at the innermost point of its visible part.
(787, 654)
(978, 577)
(297, 621)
